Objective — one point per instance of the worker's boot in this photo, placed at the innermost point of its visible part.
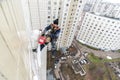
(42, 46)
(34, 50)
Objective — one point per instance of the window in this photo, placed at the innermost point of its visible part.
(49, 8)
(48, 12)
(49, 2)
(65, 14)
(113, 22)
(55, 3)
(48, 21)
(67, 4)
(48, 16)
(53, 16)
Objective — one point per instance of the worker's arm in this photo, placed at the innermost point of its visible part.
(57, 33)
(47, 28)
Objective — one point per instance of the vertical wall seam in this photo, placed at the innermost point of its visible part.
(39, 13)
(30, 14)
(7, 45)
(4, 15)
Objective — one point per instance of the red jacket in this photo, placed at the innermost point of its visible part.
(42, 40)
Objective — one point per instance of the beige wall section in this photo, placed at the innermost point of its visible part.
(13, 41)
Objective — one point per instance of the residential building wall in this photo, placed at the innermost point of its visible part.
(19, 19)
(36, 16)
(69, 17)
(53, 10)
(13, 42)
(100, 32)
(106, 9)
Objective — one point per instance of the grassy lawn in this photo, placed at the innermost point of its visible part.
(98, 68)
(118, 50)
(93, 58)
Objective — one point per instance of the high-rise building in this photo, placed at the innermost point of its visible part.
(19, 19)
(100, 32)
(53, 10)
(69, 17)
(107, 9)
(95, 4)
(14, 41)
(36, 17)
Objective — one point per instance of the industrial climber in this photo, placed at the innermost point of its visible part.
(50, 34)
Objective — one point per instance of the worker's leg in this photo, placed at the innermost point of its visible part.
(53, 44)
(46, 29)
(41, 47)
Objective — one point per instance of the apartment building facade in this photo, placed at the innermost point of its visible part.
(69, 17)
(100, 32)
(14, 51)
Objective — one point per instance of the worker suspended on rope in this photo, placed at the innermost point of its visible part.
(51, 36)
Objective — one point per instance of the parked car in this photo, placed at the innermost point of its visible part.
(83, 61)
